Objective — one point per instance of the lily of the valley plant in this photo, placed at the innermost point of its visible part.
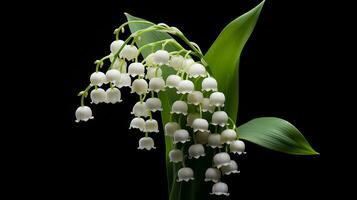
(197, 95)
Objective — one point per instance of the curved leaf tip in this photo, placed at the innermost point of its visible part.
(276, 134)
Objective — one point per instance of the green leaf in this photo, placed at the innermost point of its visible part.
(167, 98)
(276, 134)
(223, 56)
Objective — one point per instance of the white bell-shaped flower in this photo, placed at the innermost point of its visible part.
(217, 99)
(185, 174)
(116, 45)
(138, 123)
(171, 127)
(173, 80)
(202, 137)
(161, 57)
(125, 81)
(196, 70)
(187, 64)
(120, 65)
(153, 72)
(228, 136)
(212, 174)
(237, 146)
(200, 124)
(219, 118)
(157, 84)
(139, 86)
(220, 188)
(221, 159)
(149, 60)
(181, 136)
(214, 140)
(129, 52)
(136, 69)
(153, 104)
(232, 168)
(209, 84)
(179, 107)
(196, 151)
(195, 98)
(185, 87)
(191, 117)
(83, 113)
(206, 105)
(146, 143)
(113, 95)
(98, 78)
(98, 95)
(176, 62)
(151, 126)
(140, 109)
(175, 155)
(113, 75)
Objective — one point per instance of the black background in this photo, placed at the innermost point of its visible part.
(280, 75)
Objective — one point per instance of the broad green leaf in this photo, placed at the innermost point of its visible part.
(223, 56)
(276, 134)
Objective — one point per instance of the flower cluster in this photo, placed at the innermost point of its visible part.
(198, 120)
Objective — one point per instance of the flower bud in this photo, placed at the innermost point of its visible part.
(98, 78)
(217, 99)
(138, 123)
(157, 84)
(161, 57)
(221, 159)
(212, 174)
(175, 155)
(196, 151)
(83, 113)
(185, 174)
(113, 95)
(220, 189)
(214, 140)
(200, 124)
(136, 69)
(181, 135)
(195, 98)
(179, 107)
(228, 136)
(232, 168)
(196, 70)
(129, 52)
(209, 84)
(116, 45)
(185, 87)
(140, 109)
(151, 126)
(149, 60)
(153, 104)
(113, 75)
(173, 81)
(146, 143)
(219, 118)
(237, 146)
(139, 86)
(98, 95)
